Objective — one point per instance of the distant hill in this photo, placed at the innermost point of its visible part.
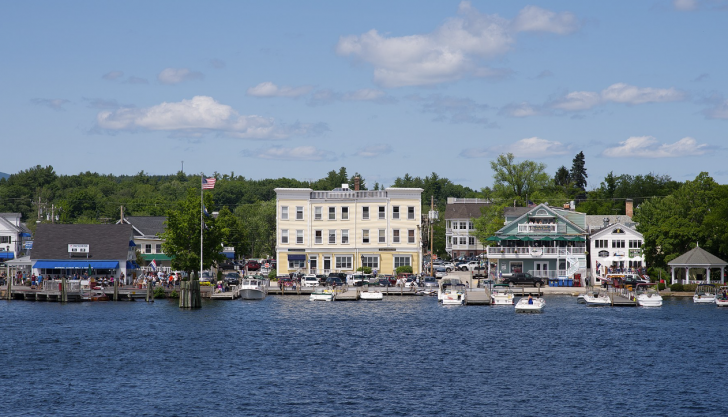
(4, 175)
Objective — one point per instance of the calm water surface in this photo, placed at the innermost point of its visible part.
(401, 356)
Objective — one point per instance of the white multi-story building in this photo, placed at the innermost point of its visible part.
(460, 240)
(12, 235)
(344, 229)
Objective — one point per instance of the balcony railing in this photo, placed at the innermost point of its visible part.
(541, 228)
(536, 251)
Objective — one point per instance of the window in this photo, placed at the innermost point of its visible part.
(410, 213)
(395, 236)
(5, 239)
(299, 236)
(382, 236)
(317, 213)
(448, 224)
(395, 212)
(284, 213)
(332, 213)
(332, 237)
(365, 236)
(635, 244)
(402, 261)
(343, 261)
(411, 236)
(344, 235)
(382, 212)
(371, 261)
(462, 240)
(158, 248)
(284, 236)
(296, 264)
(470, 226)
(148, 248)
(345, 213)
(601, 243)
(299, 213)
(463, 225)
(618, 244)
(365, 213)
(318, 236)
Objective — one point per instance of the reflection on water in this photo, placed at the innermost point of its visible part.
(408, 356)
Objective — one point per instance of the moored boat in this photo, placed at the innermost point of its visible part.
(721, 299)
(371, 295)
(647, 296)
(321, 294)
(705, 294)
(597, 298)
(451, 292)
(501, 294)
(530, 305)
(253, 289)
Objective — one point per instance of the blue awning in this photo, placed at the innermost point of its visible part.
(7, 255)
(131, 265)
(131, 243)
(50, 264)
(296, 257)
(229, 255)
(24, 234)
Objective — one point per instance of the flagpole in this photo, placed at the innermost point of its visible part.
(202, 175)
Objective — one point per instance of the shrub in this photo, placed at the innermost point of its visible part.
(676, 287)
(205, 284)
(159, 292)
(660, 286)
(404, 269)
(272, 274)
(689, 287)
(365, 269)
(174, 294)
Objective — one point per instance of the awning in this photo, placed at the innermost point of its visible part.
(131, 243)
(578, 239)
(296, 257)
(131, 265)
(229, 255)
(156, 257)
(50, 264)
(493, 239)
(7, 255)
(25, 234)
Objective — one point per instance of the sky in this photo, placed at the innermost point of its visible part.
(272, 89)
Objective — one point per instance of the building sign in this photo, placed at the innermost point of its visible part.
(228, 249)
(78, 248)
(387, 249)
(296, 250)
(28, 245)
(541, 228)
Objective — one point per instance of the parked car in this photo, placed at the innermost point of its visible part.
(410, 282)
(384, 282)
(391, 278)
(309, 280)
(358, 280)
(232, 278)
(468, 266)
(440, 271)
(285, 281)
(334, 282)
(479, 272)
(321, 278)
(523, 278)
(430, 283)
(207, 276)
(252, 265)
(449, 266)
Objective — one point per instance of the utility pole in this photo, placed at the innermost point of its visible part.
(183, 167)
(432, 216)
(121, 208)
(53, 214)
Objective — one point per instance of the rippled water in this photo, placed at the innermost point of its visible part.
(400, 356)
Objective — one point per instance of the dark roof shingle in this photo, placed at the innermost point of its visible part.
(106, 241)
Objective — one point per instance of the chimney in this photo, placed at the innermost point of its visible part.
(629, 208)
(356, 183)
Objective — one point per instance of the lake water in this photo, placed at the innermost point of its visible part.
(401, 356)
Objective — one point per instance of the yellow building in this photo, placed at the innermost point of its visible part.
(341, 230)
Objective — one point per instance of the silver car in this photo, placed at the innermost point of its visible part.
(430, 283)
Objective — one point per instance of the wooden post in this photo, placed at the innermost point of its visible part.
(10, 286)
(116, 289)
(149, 292)
(64, 294)
(190, 295)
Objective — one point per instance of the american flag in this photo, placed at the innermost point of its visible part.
(208, 183)
(153, 264)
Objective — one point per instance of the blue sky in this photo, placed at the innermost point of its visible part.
(384, 88)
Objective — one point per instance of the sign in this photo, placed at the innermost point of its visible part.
(434, 256)
(387, 249)
(267, 265)
(296, 250)
(543, 228)
(28, 244)
(78, 248)
(228, 249)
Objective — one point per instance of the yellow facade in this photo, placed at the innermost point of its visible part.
(330, 231)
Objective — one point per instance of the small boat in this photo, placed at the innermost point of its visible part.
(322, 295)
(98, 296)
(597, 298)
(721, 299)
(253, 289)
(705, 294)
(371, 295)
(451, 292)
(530, 305)
(647, 296)
(501, 294)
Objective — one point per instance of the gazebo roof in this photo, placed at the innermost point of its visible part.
(697, 257)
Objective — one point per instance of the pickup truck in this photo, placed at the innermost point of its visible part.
(521, 278)
(468, 266)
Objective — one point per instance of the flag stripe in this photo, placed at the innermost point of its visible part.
(208, 183)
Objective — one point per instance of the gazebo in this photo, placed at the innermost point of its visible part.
(697, 259)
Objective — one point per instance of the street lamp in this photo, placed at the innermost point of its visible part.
(362, 264)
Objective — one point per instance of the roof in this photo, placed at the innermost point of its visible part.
(516, 211)
(106, 241)
(146, 225)
(596, 233)
(697, 257)
(464, 210)
(7, 225)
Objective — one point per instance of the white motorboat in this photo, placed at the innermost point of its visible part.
(530, 305)
(453, 296)
(253, 289)
(322, 295)
(705, 293)
(448, 285)
(647, 296)
(597, 298)
(721, 299)
(371, 295)
(501, 295)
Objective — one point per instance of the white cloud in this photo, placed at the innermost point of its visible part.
(623, 93)
(113, 75)
(649, 147)
(536, 19)
(178, 75)
(525, 148)
(268, 89)
(300, 153)
(373, 151)
(520, 110)
(53, 103)
(450, 52)
(578, 100)
(685, 5)
(200, 114)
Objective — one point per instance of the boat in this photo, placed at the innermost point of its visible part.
(721, 299)
(705, 294)
(647, 296)
(597, 298)
(501, 294)
(451, 292)
(321, 294)
(530, 305)
(98, 296)
(371, 295)
(253, 289)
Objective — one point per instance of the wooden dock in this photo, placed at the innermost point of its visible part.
(399, 291)
(477, 296)
(232, 294)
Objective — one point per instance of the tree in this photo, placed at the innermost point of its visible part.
(231, 229)
(578, 174)
(362, 182)
(517, 181)
(561, 178)
(182, 235)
